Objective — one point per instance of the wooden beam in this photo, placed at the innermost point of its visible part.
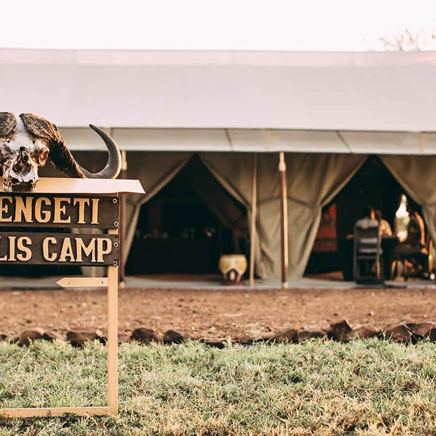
(284, 220)
(83, 282)
(52, 411)
(112, 336)
(53, 185)
(123, 223)
(253, 220)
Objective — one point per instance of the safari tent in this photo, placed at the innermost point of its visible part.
(219, 120)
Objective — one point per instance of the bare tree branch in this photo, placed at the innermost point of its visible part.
(406, 40)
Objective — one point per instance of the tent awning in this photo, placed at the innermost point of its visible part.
(256, 140)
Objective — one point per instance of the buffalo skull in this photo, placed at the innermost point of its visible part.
(27, 141)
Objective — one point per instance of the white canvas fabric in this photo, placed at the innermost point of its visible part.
(223, 89)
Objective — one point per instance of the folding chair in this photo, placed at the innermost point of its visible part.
(367, 252)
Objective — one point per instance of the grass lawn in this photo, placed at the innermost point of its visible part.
(366, 387)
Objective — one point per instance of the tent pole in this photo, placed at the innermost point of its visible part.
(122, 268)
(284, 220)
(253, 220)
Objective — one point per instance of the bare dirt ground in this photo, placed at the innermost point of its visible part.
(213, 313)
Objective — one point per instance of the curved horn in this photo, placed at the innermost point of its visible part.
(113, 166)
(62, 158)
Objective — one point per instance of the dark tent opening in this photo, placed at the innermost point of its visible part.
(187, 226)
(373, 185)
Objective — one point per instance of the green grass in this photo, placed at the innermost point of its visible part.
(363, 387)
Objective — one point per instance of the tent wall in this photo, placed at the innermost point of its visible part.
(313, 181)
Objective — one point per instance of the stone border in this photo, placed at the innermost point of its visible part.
(406, 332)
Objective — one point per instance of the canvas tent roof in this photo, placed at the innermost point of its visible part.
(257, 140)
(240, 101)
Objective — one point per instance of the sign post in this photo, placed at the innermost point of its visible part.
(57, 206)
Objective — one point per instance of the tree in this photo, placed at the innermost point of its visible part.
(409, 41)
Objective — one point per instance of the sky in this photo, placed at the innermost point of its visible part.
(302, 25)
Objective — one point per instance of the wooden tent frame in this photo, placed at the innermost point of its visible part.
(102, 187)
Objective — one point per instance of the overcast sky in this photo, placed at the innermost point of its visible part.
(311, 25)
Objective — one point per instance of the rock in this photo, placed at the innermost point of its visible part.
(144, 336)
(13, 339)
(310, 333)
(421, 330)
(286, 335)
(79, 337)
(245, 340)
(265, 337)
(30, 335)
(51, 336)
(172, 337)
(215, 342)
(398, 332)
(249, 340)
(340, 330)
(123, 337)
(363, 332)
(3, 337)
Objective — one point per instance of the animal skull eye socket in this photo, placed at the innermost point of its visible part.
(42, 156)
(39, 155)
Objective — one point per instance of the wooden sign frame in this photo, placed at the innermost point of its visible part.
(111, 282)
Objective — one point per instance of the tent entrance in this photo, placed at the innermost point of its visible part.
(187, 226)
(373, 185)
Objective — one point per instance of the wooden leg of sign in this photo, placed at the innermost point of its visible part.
(112, 340)
(112, 346)
(112, 361)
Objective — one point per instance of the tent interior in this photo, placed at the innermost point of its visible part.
(373, 185)
(187, 226)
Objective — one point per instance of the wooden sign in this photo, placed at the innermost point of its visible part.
(59, 249)
(61, 204)
(59, 211)
(36, 211)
